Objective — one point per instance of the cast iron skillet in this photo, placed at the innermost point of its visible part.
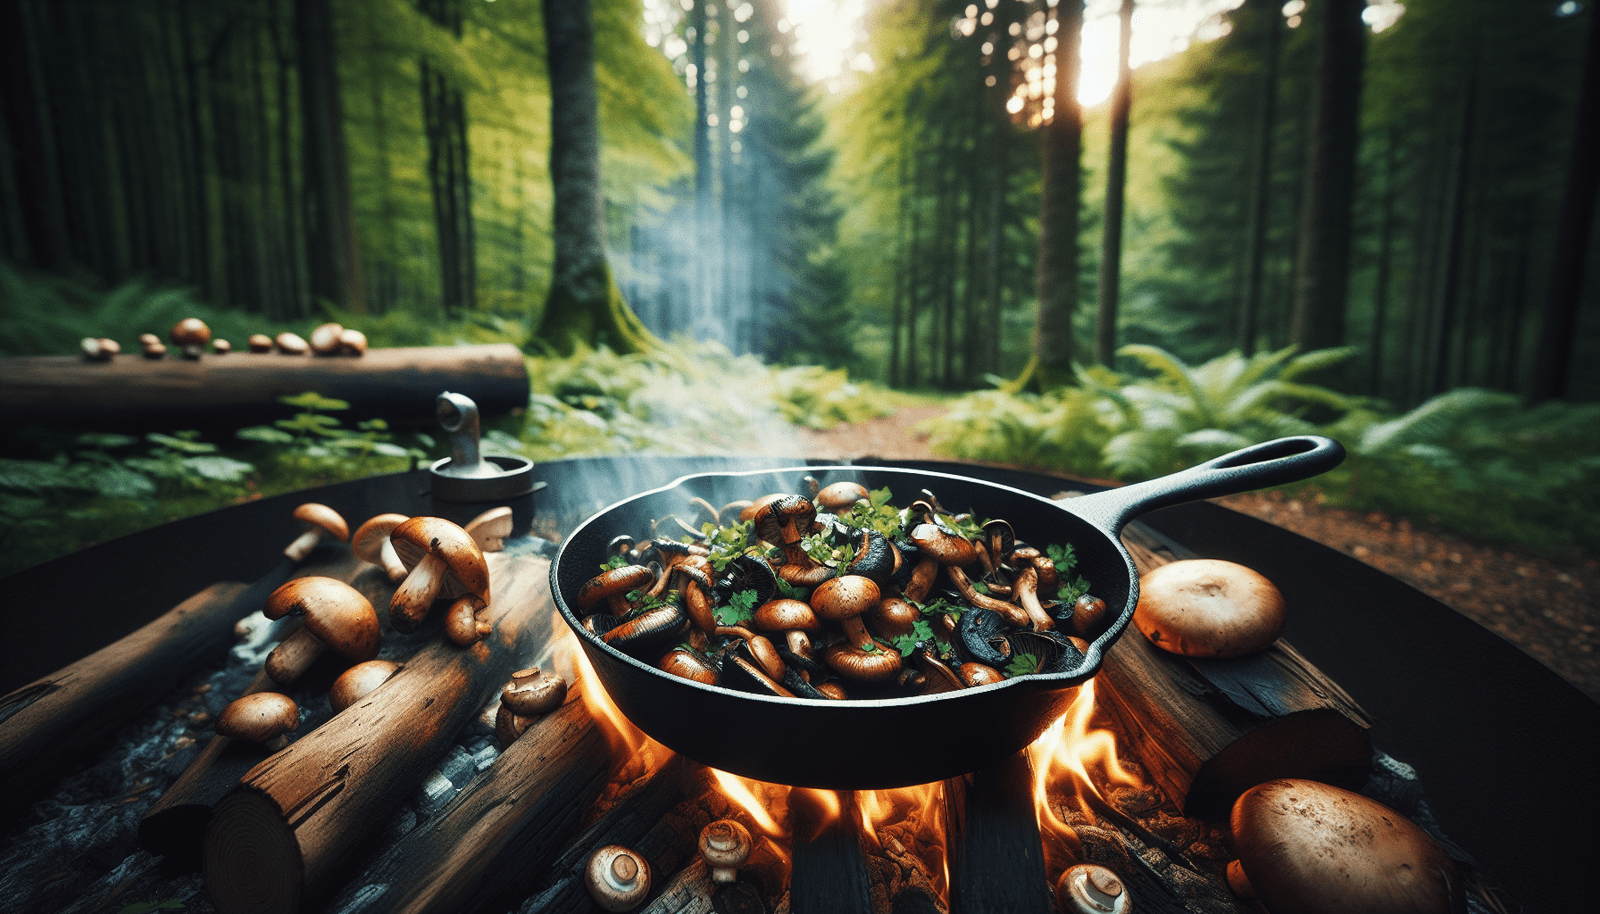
(897, 742)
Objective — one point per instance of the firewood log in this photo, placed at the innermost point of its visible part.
(996, 852)
(626, 822)
(1207, 730)
(175, 825)
(495, 838)
(279, 840)
(830, 869)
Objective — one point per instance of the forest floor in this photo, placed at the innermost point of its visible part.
(1548, 608)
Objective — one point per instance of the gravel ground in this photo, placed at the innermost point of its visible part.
(1549, 609)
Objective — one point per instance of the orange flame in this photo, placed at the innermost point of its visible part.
(635, 753)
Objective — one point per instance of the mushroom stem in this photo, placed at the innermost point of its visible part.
(1013, 613)
(303, 544)
(461, 622)
(291, 658)
(412, 599)
(1027, 590)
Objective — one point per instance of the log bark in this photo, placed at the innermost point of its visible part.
(241, 388)
(47, 723)
(1207, 730)
(487, 847)
(279, 840)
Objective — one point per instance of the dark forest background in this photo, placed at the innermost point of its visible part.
(1423, 194)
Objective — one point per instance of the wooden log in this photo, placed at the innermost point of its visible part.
(242, 388)
(626, 822)
(996, 851)
(175, 825)
(492, 842)
(49, 722)
(279, 840)
(1206, 731)
(829, 874)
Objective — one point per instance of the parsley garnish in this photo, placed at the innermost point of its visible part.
(1022, 665)
(740, 608)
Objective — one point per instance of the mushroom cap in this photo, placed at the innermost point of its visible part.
(725, 842)
(838, 496)
(785, 614)
(845, 597)
(1209, 608)
(324, 517)
(490, 529)
(610, 583)
(353, 342)
(291, 343)
(533, 691)
(338, 614)
(466, 573)
(258, 717)
(617, 878)
(259, 342)
(1309, 848)
(191, 331)
(358, 682)
(325, 339)
(367, 543)
(946, 547)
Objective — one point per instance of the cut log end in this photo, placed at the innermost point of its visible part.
(252, 862)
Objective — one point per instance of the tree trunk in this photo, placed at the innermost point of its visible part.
(1553, 359)
(584, 305)
(331, 234)
(1322, 279)
(1116, 178)
(1455, 220)
(1261, 186)
(29, 131)
(1059, 200)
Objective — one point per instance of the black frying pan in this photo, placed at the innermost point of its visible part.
(896, 742)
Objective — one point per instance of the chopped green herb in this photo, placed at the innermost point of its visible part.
(741, 607)
(921, 633)
(1022, 665)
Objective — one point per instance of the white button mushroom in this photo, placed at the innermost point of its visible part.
(725, 845)
(617, 878)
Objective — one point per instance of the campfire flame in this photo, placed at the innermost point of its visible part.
(1075, 761)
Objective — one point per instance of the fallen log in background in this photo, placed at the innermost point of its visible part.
(279, 840)
(242, 388)
(1206, 731)
(492, 842)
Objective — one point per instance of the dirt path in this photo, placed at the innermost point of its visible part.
(1549, 609)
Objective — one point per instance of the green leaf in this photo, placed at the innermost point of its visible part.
(181, 442)
(314, 400)
(1022, 665)
(264, 434)
(220, 469)
(740, 608)
(105, 440)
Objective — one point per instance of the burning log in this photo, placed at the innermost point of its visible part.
(1208, 730)
(996, 850)
(497, 835)
(277, 841)
(830, 870)
(626, 823)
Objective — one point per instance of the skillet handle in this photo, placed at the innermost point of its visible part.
(1258, 466)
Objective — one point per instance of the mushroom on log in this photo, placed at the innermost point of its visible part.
(280, 839)
(333, 615)
(441, 561)
(371, 544)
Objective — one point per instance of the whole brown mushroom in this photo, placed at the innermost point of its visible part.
(617, 878)
(359, 681)
(259, 342)
(371, 544)
(325, 339)
(1310, 848)
(441, 561)
(260, 717)
(321, 522)
(1209, 608)
(334, 615)
(290, 343)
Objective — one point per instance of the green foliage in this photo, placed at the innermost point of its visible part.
(1473, 461)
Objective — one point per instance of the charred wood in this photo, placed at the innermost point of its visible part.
(996, 850)
(830, 869)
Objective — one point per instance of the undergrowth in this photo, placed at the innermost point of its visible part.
(1477, 463)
